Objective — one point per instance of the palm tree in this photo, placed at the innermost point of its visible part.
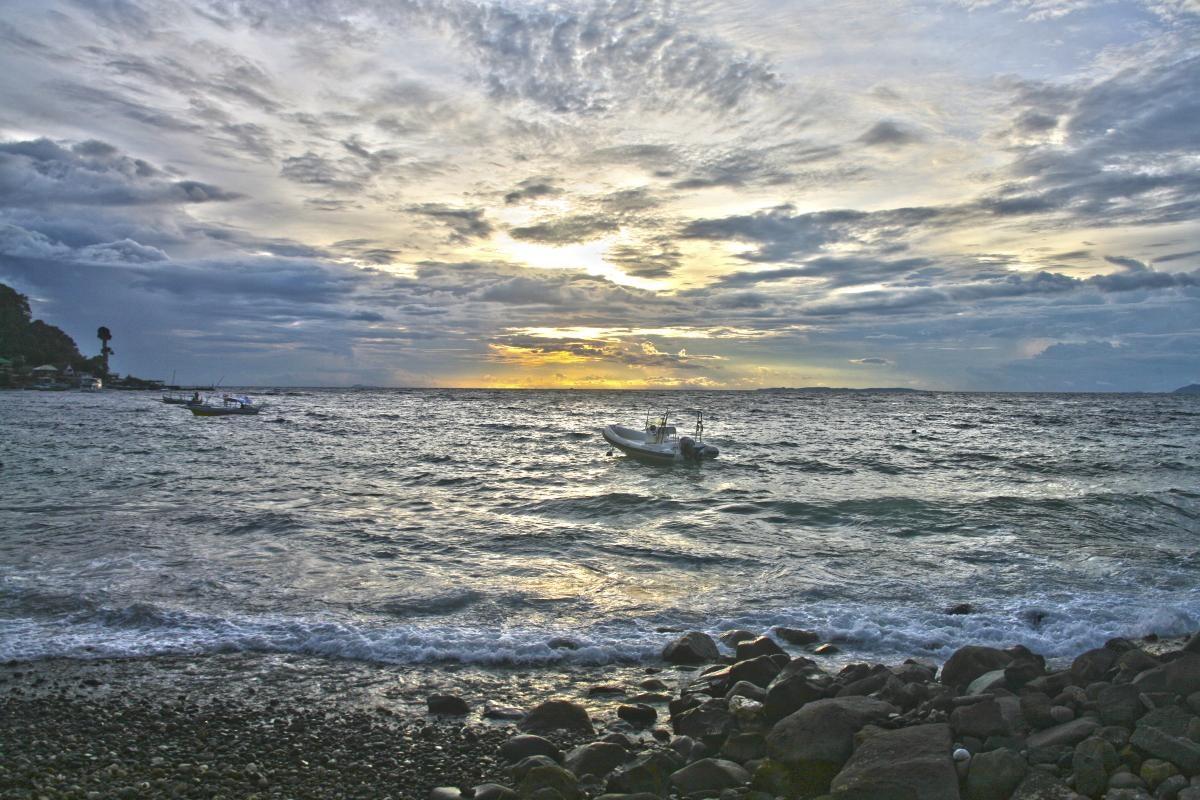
(105, 336)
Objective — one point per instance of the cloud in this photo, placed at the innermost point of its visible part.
(871, 361)
(464, 223)
(566, 230)
(41, 173)
(887, 134)
(531, 189)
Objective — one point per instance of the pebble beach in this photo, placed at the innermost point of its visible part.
(741, 715)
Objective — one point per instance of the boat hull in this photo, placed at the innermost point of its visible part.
(200, 411)
(636, 445)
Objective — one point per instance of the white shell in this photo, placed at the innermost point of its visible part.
(961, 754)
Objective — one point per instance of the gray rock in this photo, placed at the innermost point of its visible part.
(1035, 708)
(1190, 793)
(908, 762)
(1170, 788)
(759, 646)
(709, 774)
(746, 689)
(519, 770)
(554, 715)
(1093, 665)
(1163, 733)
(799, 683)
(549, 777)
(1093, 760)
(493, 791)
(525, 745)
(639, 715)
(693, 647)
(743, 747)
(732, 637)
(968, 663)
(987, 681)
(596, 758)
(1181, 676)
(981, 720)
(1119, 704)
(1069, 733)
(447, 704)
(709, 722)
(818, 739)
(654, 685)
(496, 711)
(995, 775)
(445, 793)
(1061, 714)
(797, 636)
(649, 772)
(1041, 785)
(760, 671)
(864, 686)
(1126, 780)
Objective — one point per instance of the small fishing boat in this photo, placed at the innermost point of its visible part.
(660, 442)
(89, 384)
(194, 399)
(231, 405)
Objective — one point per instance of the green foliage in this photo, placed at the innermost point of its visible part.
(31, 342)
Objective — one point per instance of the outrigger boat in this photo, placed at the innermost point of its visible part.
(231, 405)
(660, 442)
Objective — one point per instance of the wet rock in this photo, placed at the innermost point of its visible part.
(827, 650)
(709, 775)
(1093, 665)
(995, 775)
(819, 738)
(1035, 709)
(798, 636)
(709, 722)
(493, 791)
(1181, 676)
(960, 608)
(1120, 704)
(1041, 785)
(865, 685)
(988, 681)
(760, 671)
(1061, 714)
(908, 762)
(799, 683)
(759, 646)
(554, 715)
(743, 747)
(447, 704)
(445, 793)
(731, 638)
(968, 663)
(1163, 733)
(525, 745)
(691, 648)
(519, 770)
(639, 716)
(596, 758)
(649, 772)
(497, 711)
(554, 778)
(747, 689)
(1125, 781)
(980, 720)
(1154, 771)
(1170, 788)
(1094, 758)
(654, 685)
(1070, 733)
(602, 689)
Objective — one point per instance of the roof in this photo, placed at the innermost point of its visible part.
(46, 368)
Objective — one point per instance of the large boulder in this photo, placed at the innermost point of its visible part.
(650, 772)
(546, 777)
(596, 758)
(1041, 785)
(800, 682)
(760, 646)
(1163, 733)
(760, 671)
(524, 745)
(968, 663)
(710, 722)
(1093, 760)
(693, 647)
(1093, 665)
(1069, 733)
(1181, 676)
(817, 740)
(1120, 704)
(909, 762)
(995, 775)
(980, 720)
(557, 715)
(709, 775)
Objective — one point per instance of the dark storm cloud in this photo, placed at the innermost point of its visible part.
(464, 223)
(42, 173)
(659, 260)
(887, 134)
(566, 230)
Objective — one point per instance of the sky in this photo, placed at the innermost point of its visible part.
(967, 195)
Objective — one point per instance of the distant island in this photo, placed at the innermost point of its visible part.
(36, 354)
(1191, 388)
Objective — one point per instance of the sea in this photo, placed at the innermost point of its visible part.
(480, 527)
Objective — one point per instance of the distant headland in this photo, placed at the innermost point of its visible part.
(37, 355)
(1191, 388)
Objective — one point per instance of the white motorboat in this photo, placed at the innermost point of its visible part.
(659, 442)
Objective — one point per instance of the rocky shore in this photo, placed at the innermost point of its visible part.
(1118, 722)
(738, 718)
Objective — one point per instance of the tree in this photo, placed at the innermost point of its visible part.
(103, 334)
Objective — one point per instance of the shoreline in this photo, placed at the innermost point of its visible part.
(265, 725)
